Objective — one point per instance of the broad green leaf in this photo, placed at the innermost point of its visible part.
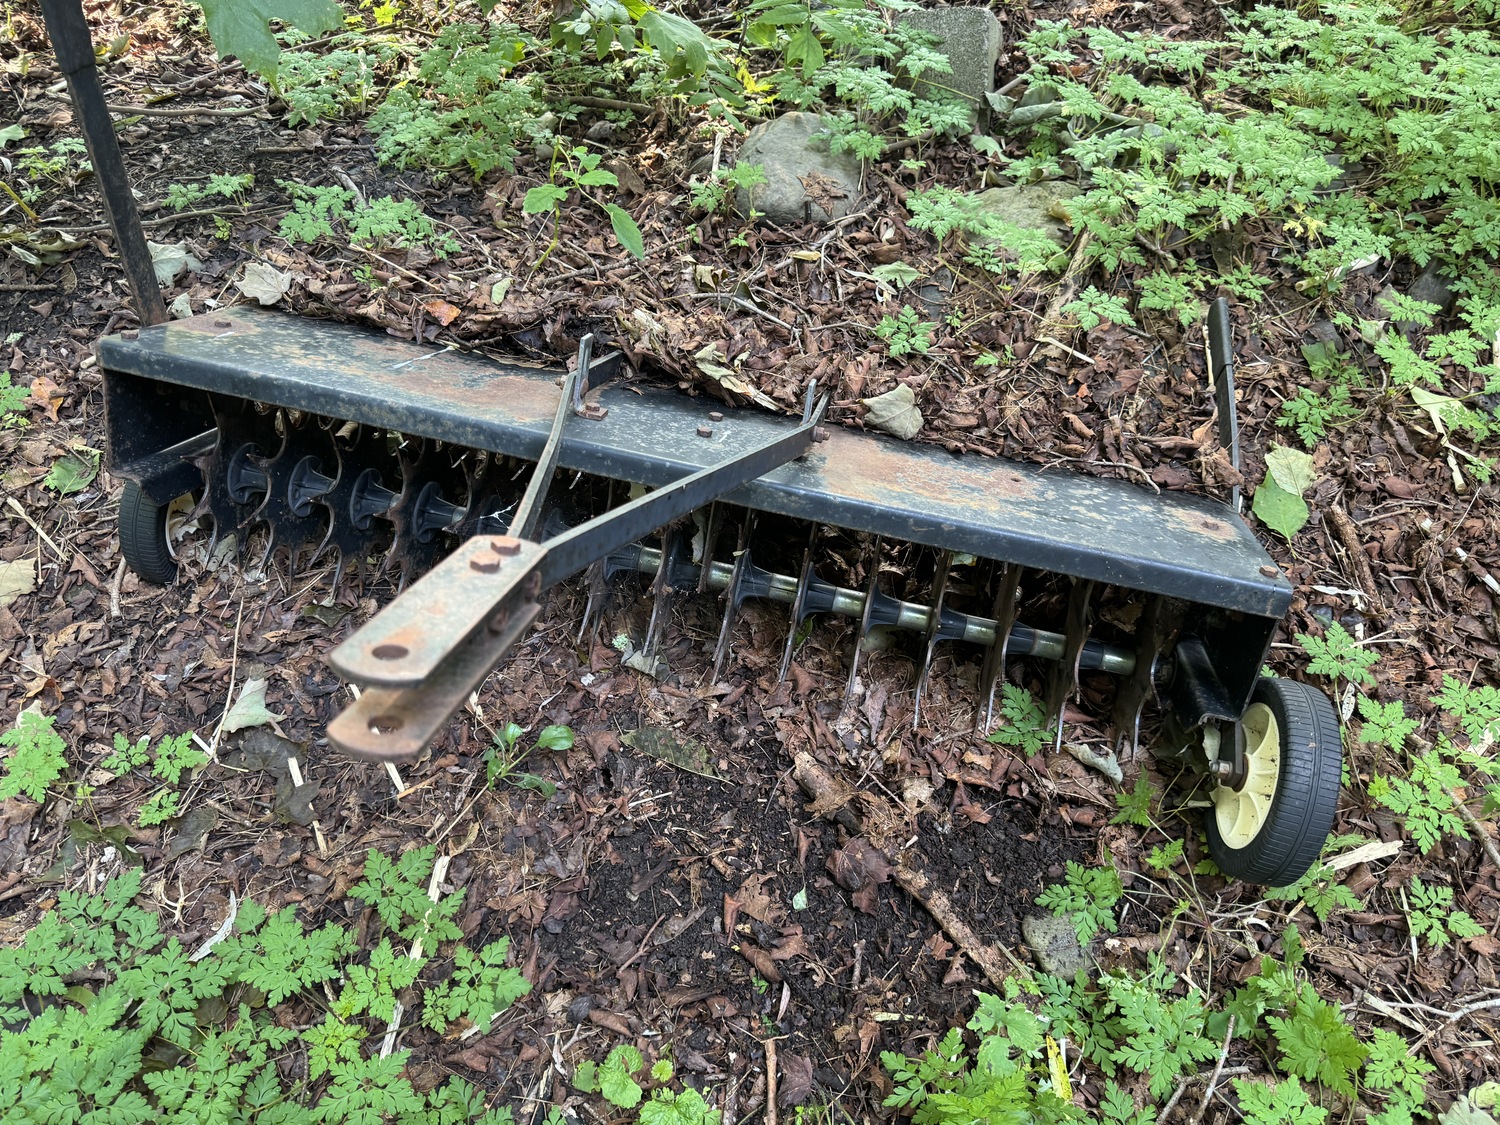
(1291, 469)
(73, 472)
(1279, 509)
(599, 177)
(625, 230)
(11, 133)
(543, 197)
(555, 738)
(799, 900)
(804, 47)
(242, 27)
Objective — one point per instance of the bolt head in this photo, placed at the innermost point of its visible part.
(131, 334)
(223, 324)
(715, 416)
(819, 433)
(483, 566)
(705, 431)
(593, 411)
(505, 546)
(1219, 769)
(1270, 571)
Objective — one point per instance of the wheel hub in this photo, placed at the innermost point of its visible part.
(1241, 811)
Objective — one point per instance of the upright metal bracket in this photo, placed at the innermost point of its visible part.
(1221, 374)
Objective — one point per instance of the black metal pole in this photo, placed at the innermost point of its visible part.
(69, 32)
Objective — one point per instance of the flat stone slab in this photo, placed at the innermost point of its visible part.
(971, 38)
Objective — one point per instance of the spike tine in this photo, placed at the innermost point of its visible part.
(1062, 679)
(710, 534)
(872, 591)
(595, 581)
(1004, 614)
(742, 563)
(934, 625)
(804, 579)
(731, 611)
(661, 593)
(1158, 624)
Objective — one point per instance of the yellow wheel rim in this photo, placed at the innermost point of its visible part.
(1242, 813)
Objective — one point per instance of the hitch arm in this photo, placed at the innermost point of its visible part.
(421, 657)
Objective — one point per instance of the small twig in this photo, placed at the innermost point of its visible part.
(1349, 537)
(234, 664)
(390, 769)
(434, 892)
(770, 1117)
(1467, 559)
(295, 769)
(114, 590)
(641, 949)
(11, 503)
(152, 111)
(1466, 1010)
(1075, 354)
(1478, 828)
(1214, 1081)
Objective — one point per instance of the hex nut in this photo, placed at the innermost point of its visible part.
(705, 431)
(505, 546)
(715, 416)
(484, 567)
(131, 334)
(223, 324)
(819, 434)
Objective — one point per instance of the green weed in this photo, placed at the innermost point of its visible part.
(180, 197)
(1432, 918)
(36, 757)
(157, 1035)
(1088, 895)
(13, 401)
(379, 224)
(905, 332)
(503, 759)
(1023, 724)
(580, 171)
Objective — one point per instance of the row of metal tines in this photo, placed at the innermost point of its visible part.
(323, 489)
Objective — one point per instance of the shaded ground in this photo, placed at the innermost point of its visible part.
(644, 900)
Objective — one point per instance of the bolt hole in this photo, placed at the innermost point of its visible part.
(389, 652)
(386, 724)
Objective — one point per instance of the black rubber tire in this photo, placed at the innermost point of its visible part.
(143, 536)
(1306, 801)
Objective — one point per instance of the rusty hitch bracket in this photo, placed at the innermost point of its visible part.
(427, 651)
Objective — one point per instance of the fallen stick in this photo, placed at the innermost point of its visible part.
(831, 800)
(1349, 537)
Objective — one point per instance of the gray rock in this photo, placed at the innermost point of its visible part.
(971, 39)
(1055, 943)
(1431, 286)
(803, 179)
(1032, 206)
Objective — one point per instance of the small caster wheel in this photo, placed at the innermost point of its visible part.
(1272, 828)
(143, 536)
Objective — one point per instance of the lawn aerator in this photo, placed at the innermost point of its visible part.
(329, 440)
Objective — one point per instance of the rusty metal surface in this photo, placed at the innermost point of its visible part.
(386, 724)
(1102, 530)
(405, 642)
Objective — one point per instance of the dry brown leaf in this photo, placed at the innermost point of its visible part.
(441, 311)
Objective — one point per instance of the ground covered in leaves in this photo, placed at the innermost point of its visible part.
(713, 910)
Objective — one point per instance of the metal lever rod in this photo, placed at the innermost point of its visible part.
(523, 525)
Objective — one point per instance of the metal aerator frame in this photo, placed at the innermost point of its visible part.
(177, 400)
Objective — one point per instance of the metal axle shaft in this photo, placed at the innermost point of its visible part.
(782, 588)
